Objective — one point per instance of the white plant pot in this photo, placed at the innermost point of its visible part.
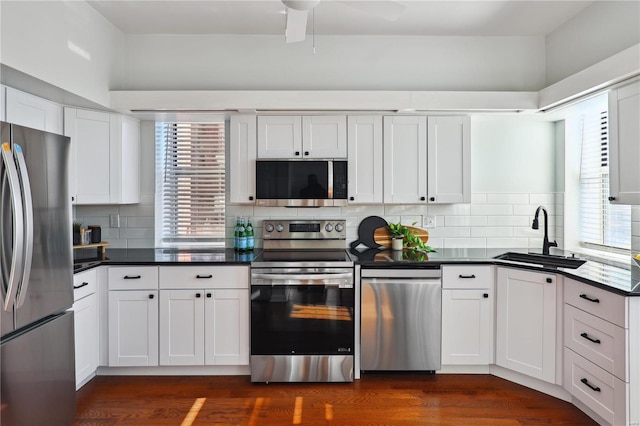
(396, 243)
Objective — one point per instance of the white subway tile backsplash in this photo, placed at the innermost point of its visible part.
(507, 198)
(490, 220)
(491, 209)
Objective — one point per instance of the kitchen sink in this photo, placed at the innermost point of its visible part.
(543, 259)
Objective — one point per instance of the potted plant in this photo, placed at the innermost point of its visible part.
(407, 238)
(77, 226)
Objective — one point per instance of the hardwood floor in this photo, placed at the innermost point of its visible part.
(445, 399)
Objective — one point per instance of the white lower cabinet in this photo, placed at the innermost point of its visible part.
(86, 320)
(133, 316)
(467, 315)
(601, 352)
(208, 325)
(526, 317)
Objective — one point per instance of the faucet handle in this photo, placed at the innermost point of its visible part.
(553, 244)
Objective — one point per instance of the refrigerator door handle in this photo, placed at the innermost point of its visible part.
(28, 223)
(18, 227)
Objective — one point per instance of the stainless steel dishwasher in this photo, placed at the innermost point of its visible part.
(401, 319)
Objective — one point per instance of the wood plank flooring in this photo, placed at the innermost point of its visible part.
(446, 399)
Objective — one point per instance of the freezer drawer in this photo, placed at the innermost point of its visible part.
(38, 375)
(401, 322)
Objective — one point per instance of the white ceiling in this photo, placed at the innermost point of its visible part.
(342, 17)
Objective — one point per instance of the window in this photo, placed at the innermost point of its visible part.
(602, 224)
(190, 184)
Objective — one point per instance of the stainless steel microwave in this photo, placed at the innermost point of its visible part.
(301, 183)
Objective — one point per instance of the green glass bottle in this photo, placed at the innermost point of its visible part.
(236, 235)
(249, 232)
(242, 237)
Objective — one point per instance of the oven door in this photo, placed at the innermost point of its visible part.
(302, 311)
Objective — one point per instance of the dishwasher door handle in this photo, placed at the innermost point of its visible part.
(403, 281)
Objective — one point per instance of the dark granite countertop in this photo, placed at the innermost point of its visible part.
(619, 278)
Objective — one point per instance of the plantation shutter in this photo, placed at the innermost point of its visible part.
(190, 189)
(602, 223)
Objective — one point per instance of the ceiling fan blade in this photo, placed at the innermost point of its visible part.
(386, 9)
(296, 25)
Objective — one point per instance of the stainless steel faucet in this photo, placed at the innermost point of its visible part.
(545, 243)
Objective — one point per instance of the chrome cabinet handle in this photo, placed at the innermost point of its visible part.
(11, 180)
(27, 209)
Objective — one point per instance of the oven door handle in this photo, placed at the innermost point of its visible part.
(290, 277)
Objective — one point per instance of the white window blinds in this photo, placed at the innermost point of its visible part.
(602, 223)
(190, 184)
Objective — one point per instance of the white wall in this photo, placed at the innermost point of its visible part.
(601, 30)
(66, 44)
(189, 62)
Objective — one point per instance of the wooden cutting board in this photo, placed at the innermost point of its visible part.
(382, 236)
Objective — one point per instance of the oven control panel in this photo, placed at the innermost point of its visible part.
(274, 229)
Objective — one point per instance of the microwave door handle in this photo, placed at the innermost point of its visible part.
(330, 179)
(27, 202)
(18, 226)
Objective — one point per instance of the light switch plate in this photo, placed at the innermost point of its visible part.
(428, 221)
(114, 220)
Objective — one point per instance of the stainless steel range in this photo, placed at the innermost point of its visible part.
(302, 303)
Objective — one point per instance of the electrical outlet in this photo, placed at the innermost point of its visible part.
(429, 221)
(114, 220)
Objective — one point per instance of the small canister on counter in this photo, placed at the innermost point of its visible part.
(96, 233)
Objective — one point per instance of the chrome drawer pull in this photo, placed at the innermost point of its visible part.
(584, 296)
(84, 284)
(593, 388)
(466, 276)
(586, 336)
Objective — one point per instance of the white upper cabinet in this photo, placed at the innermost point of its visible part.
(324, 136)
(105, 157)
(624, 144)
(449, 159)
(302, 137)
(3, 103)
(405, 159)
(31, 111)
(242, 158)
(364, 136)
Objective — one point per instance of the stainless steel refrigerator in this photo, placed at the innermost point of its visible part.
(37, 360)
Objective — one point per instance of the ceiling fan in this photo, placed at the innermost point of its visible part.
(298, 12)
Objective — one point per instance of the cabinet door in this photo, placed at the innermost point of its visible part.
(449, 160)
(126, 169)
(86, 338)
(227, 327)
(526, 323)
(242, 169)
(364, 141)
(279, 137)
(467, 325)
(32, 111)
(324, 136)
(133, 328)
(405, 159)
(3, 103)
(182, 327)
(91, 144)
(624, 144)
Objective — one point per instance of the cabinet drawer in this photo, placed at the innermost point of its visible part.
(596, 301)
(133, 278)
(193, 277)
(597, 340)
(601, 391)
(468, 276)
(84, 284)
